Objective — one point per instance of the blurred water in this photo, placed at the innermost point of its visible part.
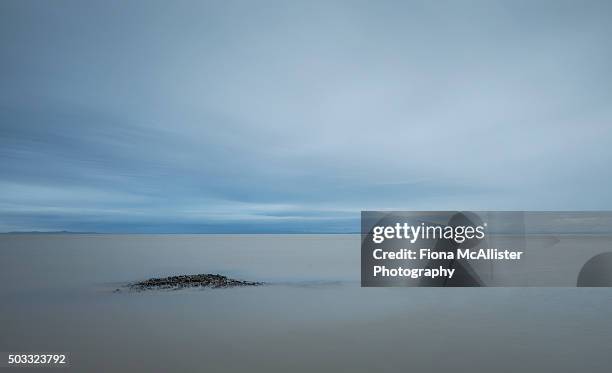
(56, 295)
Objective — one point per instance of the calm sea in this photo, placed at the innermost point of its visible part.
(56, 294)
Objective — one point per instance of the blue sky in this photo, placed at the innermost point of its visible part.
(292, 116)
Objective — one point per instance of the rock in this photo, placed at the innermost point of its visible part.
(190, 281)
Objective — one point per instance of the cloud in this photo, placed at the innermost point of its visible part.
(207, 116)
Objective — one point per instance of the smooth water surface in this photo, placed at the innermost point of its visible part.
(56, 295)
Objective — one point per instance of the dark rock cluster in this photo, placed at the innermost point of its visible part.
(190, 281)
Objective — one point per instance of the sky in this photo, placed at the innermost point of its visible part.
(293, 116)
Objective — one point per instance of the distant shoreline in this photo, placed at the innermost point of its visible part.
(50, 232)
(177, 233)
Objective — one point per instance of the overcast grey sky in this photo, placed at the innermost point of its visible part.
(283, 116)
